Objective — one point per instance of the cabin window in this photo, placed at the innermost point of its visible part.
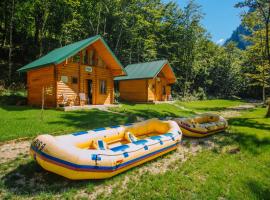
(103, 86)
(74, 80)
(77, 58)
(64, 79)
(92, 57)
(85, 57)
(164, 90)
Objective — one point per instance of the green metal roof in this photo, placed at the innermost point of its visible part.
(142, 70)
(59, 55)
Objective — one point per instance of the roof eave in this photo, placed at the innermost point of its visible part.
(32, 68)
(129, 79)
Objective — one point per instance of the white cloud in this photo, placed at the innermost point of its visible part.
(220, 41)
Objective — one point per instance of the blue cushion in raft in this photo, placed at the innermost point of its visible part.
(120, 148)
(139, 142)
(156, 137)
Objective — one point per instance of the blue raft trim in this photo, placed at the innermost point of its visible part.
(102, 168)
(99, 129)
(129, 124)
(170, 135)
(125, 154)
(117, 126)
(79, 133)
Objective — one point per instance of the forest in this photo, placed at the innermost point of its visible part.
(140, 31)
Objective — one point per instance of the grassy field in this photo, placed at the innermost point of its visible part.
(21, 121)
(18, 122)
(237, 167)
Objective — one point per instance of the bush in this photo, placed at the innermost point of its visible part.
(200, 94)
(13, 95)
(116, 97)
(194, 96)
(13, 99)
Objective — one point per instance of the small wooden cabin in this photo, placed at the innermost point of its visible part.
(77, 74)
(146, 82)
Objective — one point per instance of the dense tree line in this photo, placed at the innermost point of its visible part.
(137, 31)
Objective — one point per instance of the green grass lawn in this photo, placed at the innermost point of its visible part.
(211, 174)
(164, 110)
(23, 121)
(210, 105)
(19, 122)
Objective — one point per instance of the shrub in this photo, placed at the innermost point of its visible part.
(116, 97)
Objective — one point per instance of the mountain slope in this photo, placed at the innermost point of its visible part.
(238, 37)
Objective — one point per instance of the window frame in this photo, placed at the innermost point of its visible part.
(103, 86)
(74, 78)
(164, 90)
(85, 59)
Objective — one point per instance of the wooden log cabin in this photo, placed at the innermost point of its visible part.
(77, 74)
(146, 82)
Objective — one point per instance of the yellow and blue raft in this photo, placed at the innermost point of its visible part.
(202, 125)
(105, 152)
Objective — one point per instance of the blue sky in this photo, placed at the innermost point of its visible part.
(221, 17)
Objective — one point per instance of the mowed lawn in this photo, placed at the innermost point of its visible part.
(19, 122)
(238, 167)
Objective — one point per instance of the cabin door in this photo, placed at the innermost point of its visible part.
(89, 91)
(158, 90)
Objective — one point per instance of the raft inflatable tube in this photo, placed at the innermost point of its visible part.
(104, 152)
(202, 125)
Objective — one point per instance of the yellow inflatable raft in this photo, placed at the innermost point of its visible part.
(202, 125)
(105, 152)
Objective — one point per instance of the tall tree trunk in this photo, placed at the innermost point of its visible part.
(118, 39)
(268, 53)
(42, 32)
(5, 29)
(97, 31)
(104, 27)
(263, 94)
(10, 42)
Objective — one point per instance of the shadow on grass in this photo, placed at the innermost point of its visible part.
(151, 113)
(248, 122)
(250, 143)
(86, 120)
(211, 109)
(13, 99)
(17, 108)
(31, 179)
(259, 191)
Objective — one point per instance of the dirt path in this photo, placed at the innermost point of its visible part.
(11, 150)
